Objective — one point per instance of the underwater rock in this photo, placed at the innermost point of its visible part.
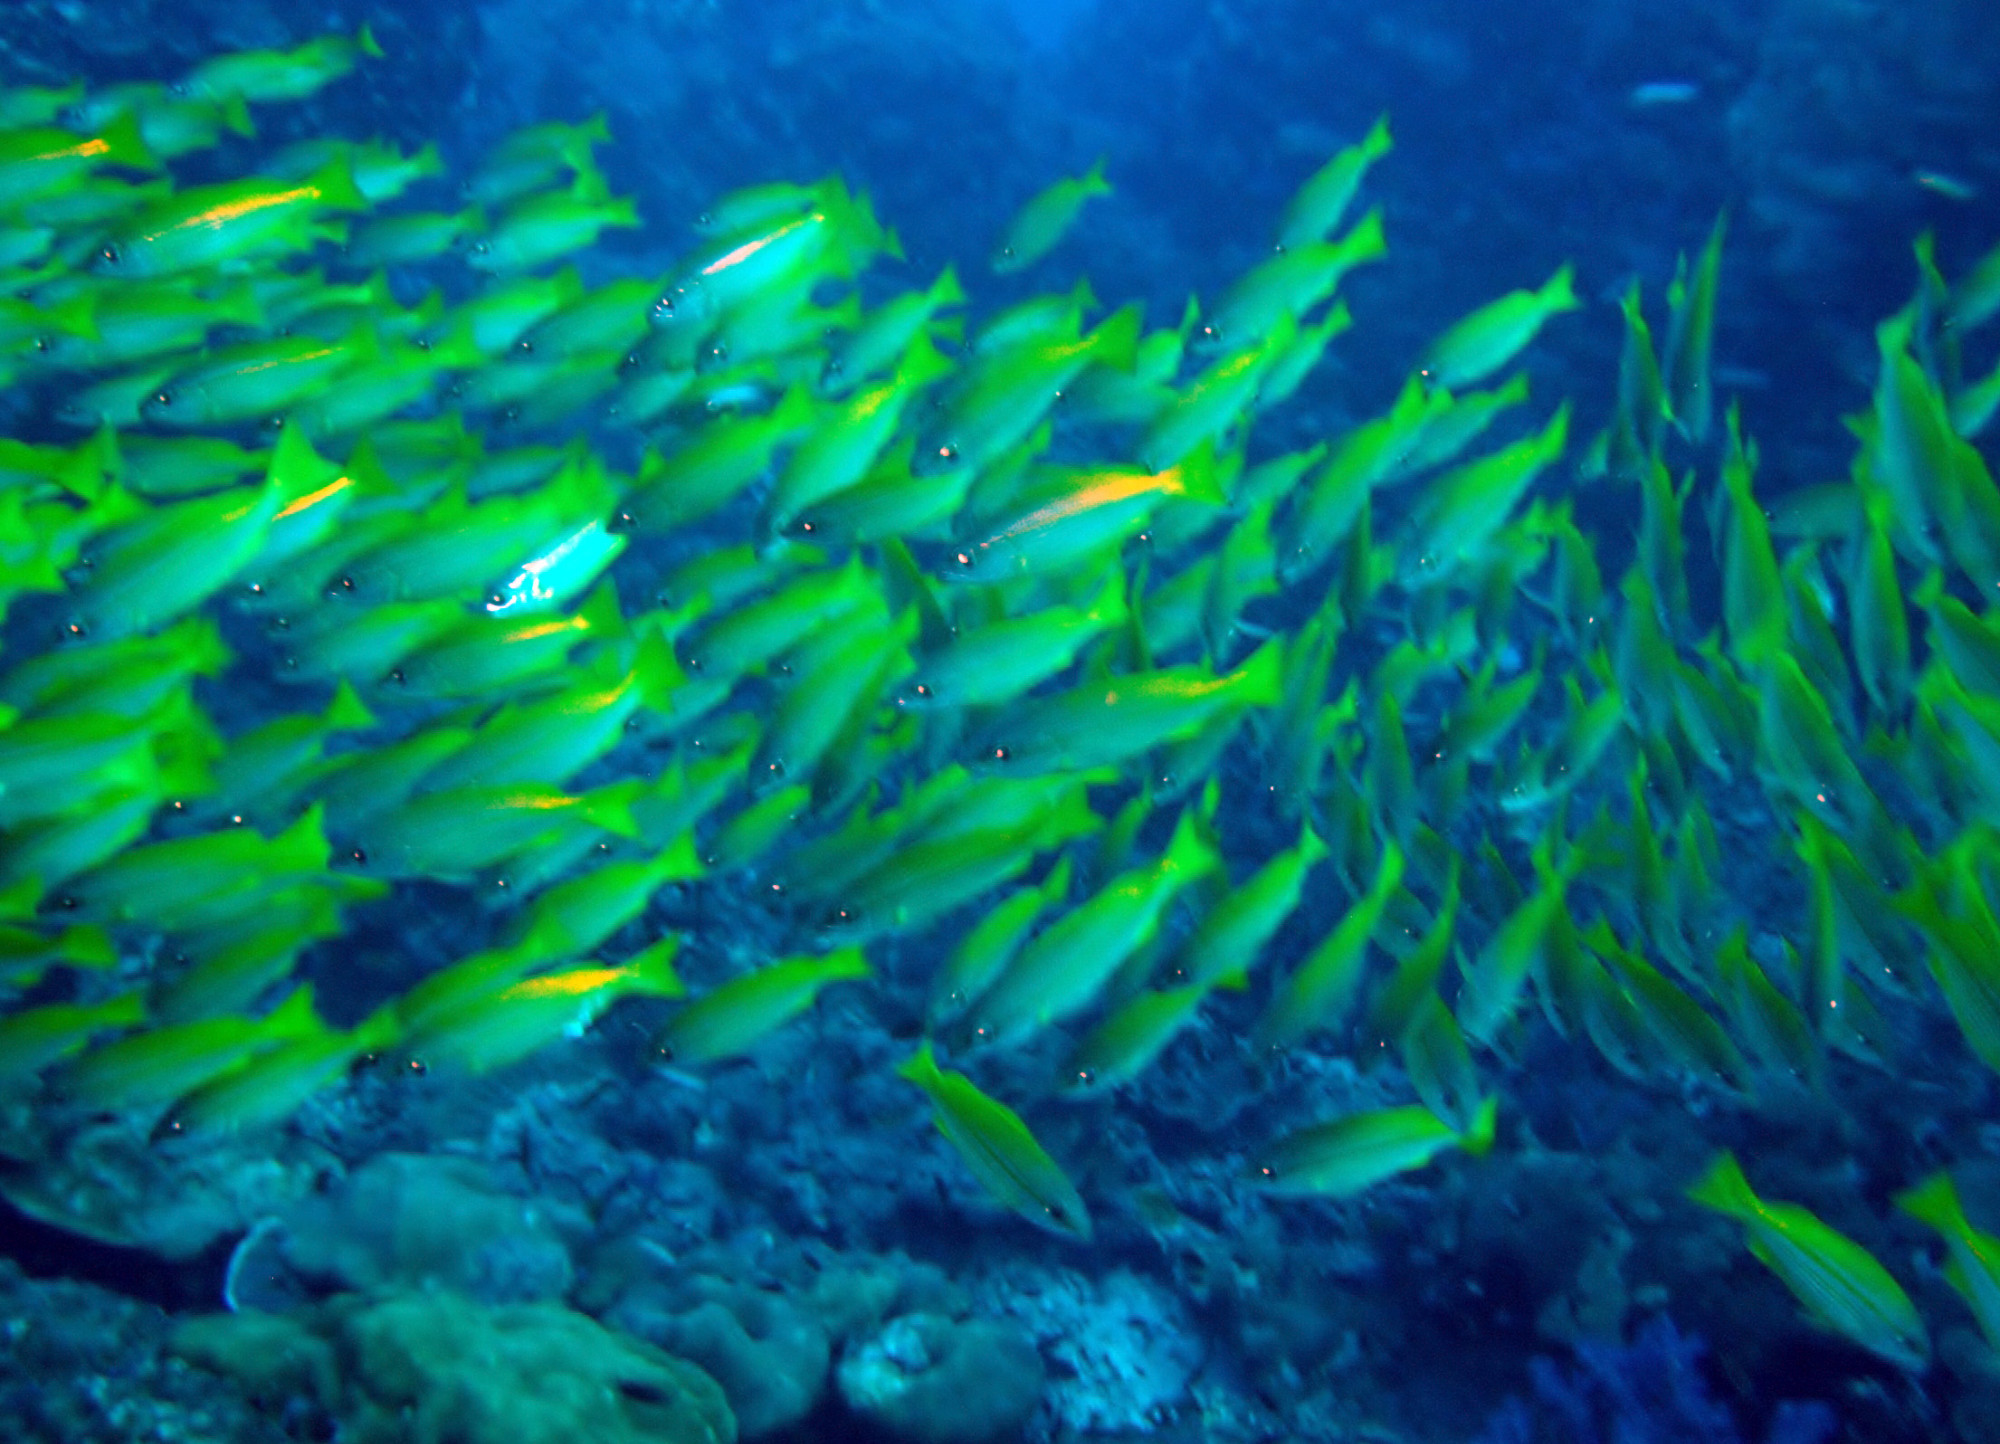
(105, 1183)
(927, 1379)
(1124, 1348)
(770, 1356)
(413, 1221)
(438, 1368)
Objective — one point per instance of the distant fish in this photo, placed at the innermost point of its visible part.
(1663, 92)
(1949, 186)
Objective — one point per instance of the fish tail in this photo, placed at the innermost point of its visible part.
(1725, 1189)
(1477, 1139)
(1260, 681)
(124, 145)
(1935, 1202)
(236, 116)
(921, 1067)
(337, 190)
(365, 42)
(653, 970)
(1560, 293)
(348, 713)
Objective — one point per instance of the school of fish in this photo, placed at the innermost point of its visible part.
(1000, 632)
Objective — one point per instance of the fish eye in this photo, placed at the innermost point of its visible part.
(109, 255)
(663, 309)
(359, 856)
(163, 399)
(480, 248)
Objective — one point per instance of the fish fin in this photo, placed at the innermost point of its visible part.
(1935, 1202)
(653, 970)
(1725, 1189)
(1477, 1139)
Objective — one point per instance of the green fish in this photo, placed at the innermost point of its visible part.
(1352, 1154)
(37, 161)
(997, 1146)
(271, 1085)
(535, 156)
(682, 486)
(1496, 333)
(1841, 1286)
(1113, 718)
(1227, 941)
(456, 833)
(274, 75)
(1125, 1044)
(1293, 282)
(1046, 217)
(539, 229)
(1063, 969)
(230, 224)
(1320, 202)
(490, 1028)
(1972, 1258)
(150, 1069)
(1691, 338)
(731, 1020)
(886, 333)
(985, 951)
(1314, 993)
(34, 1038)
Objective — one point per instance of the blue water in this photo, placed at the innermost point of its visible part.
(793, 1223)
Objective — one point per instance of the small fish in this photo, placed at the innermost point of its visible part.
(41, 160)
(1352, 1154)
(1294, 281)
(1496, 333)
(150, 1069)
(985, 951)
(1653, 94)
(34, 1038)
(173, 883)
(271, 1085)
(1065, 967)
(1320, 202)
(230, 223)
(492, 1028)
(1046, 217)
(551, 224)
(734, 1018)
(1315, 993)
(1125, 1044)
(1973, 1257)
(1688, 360)
(1109, 719)
(885, 333)
(1228, 940)
(1943, 183)
(1005, 659)
(535, 156)
(1002, 1154)
(274, 75)
(1841, 1286)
